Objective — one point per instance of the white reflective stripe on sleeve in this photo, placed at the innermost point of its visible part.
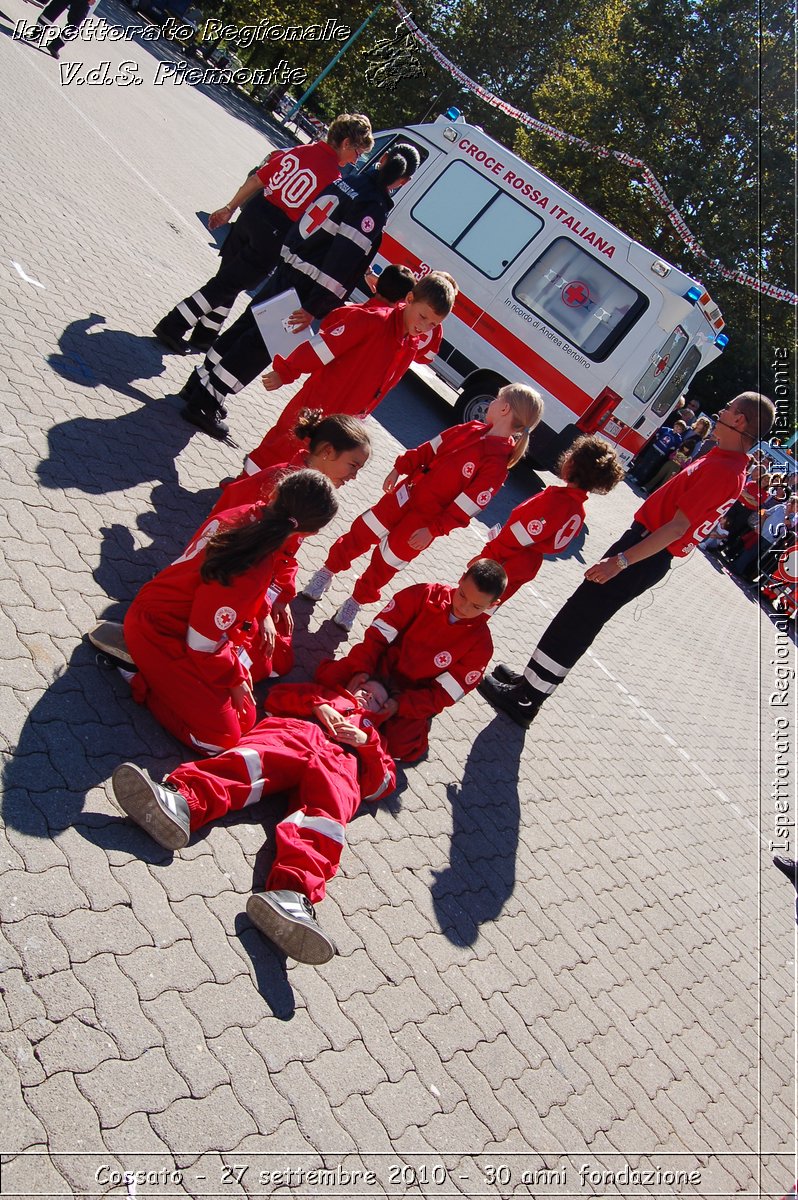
(387, 631)
(468, 506)
(521, 533)
(254, 770)
(321, 350)
(374, 525)
(436, 443)
(357, 237)
(386, 783)
(186, 313)
(273, 595)
(549, 664)
(326, 281)
(389, 558)
(539, 684)
(213, 356)
(198, 641)
(250, 468)
(450, 685)
(244, 658)
(333, 830)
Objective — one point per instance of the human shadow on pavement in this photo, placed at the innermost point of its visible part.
(269, 966)
(92, 355)
(486, 815)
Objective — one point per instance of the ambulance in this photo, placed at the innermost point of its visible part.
(551, 294)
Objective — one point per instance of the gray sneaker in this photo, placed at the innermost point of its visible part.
(347, 614)
(109, 637)
(288, 920)
(315, 588)
(160, 811)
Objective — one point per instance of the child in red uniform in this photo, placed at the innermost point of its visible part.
(430, 645)
(329, 766)
(446, 482)
(548, 522)
(358, 355)
(337, 446)
(185, 628)
(667, 526)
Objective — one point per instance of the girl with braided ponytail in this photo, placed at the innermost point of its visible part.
(548, 522)
(189, 630)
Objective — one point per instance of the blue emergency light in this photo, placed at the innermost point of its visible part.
(694, 295)
(453, 114)
(721, 341)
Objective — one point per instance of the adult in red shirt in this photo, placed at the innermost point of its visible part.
(275, 196)
(667, 526)
(430, 646)
(321, 745)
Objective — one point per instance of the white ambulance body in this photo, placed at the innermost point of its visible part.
(550, 293)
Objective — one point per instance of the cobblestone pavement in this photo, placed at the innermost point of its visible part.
(559, 956)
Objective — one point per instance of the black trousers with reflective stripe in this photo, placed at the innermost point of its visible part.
(250, 252)
(581, 619)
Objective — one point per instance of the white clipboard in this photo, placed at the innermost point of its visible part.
(271, 316)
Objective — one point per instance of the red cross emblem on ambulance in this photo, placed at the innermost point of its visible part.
(662, 364)
(317, 214)
(575, 294)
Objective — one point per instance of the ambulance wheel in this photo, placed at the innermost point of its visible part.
(472, 403)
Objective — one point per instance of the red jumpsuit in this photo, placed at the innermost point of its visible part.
(245, 490)
(354, 360)
(327, 781)
(544, 524)
(425, 657)
(185, 636)
(447, 482)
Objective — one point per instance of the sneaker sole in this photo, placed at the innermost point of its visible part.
(296, 939)
(109, 648)
(133, 793)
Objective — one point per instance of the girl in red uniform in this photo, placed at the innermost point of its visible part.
(548, 522)
(360, 352)
(338, 447)
(185, 628)
(432, 490)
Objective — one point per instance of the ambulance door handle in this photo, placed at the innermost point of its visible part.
(639, 421)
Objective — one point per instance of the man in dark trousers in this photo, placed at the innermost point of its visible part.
(667, 526)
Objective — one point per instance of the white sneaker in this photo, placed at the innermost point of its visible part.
(109, 637)
(288, 920)
(315, 588)
(345, 617)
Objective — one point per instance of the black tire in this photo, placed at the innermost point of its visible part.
(472, 403)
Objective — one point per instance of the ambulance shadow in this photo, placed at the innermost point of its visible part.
(93, 357)
(78, 731)
(486, 815)
(125, 566)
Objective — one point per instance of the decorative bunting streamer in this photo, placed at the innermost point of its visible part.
(774, 291)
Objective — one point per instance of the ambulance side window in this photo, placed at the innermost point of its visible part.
(578, 296)
(677, 382)
(662, 363)
(476, 219)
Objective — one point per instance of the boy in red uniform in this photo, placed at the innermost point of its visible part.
(667, 526)
(447, 481)
(322, 746)
(548, 522)
(360, 352)
(275, 196)
(430, 646)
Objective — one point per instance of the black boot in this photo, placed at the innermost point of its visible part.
(516, 700)
(171, 337)
(788, 867)
(505, 674)
(201, 339)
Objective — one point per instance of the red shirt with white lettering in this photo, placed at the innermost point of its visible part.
(703, 491)
(293, 178)
(544, 524)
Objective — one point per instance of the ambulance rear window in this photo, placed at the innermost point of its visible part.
(581, 298)
(476, 219)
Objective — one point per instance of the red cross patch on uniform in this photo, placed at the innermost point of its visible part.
(484, 498)
(367, 224)
(314, 217)
(535, 527)
(335, 332)
(468, 469)
(473, 677)
(224, 617)
(443, 659)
